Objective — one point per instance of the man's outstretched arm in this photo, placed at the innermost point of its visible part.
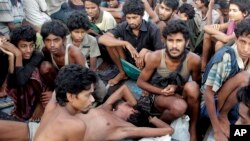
(122, 93)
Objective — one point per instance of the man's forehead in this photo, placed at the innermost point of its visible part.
(52, 36)
(165, 6)
(177, 34)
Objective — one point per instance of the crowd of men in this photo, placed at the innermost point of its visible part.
(188, 57)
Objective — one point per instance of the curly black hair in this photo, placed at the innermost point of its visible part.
(243, 28)
(54, 27)
(97, 2)
(173, 4)
(206, 2)
(78, 20)
(176, 26)
(73, 79)
(133, 7)
(243, 95)
(188, 9)
(25, 33)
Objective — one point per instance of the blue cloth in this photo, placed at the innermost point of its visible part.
(218, 56)
(233, 114)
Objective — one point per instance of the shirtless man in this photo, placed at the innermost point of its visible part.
(55, 51)
(111, 121)
(172, 100)
(73, 95)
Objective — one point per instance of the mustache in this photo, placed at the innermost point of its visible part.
(174, 49)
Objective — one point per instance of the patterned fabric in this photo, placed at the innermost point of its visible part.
(219, 73)
(5, 5)
(26, 97)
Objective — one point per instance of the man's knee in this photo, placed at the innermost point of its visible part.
(244, 78)
(45, 67)
(178, 107)
(191, 90)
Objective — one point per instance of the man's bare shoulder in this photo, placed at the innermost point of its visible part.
(193, 59)
(64, 125)
(153, 57)
(73, 50)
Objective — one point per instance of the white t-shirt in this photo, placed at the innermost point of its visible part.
(106, 22)
(54, 5)
(35, 11)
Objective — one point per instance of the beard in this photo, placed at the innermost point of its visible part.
(134, 26)
(174, 57)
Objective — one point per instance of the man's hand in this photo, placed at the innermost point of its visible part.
(169, 90)
(7, 46)
(45, 97)
(139, 61)
(132, 50)
(219, 136)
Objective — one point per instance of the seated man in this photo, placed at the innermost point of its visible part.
(223, 33)
(186, 12)
(114, 7)
(226, 72)
(102, 19)
(134, 34)
(78, 24)
(243, 98)
(166, 76)
(110, 117)
(7, 63)
(56, 52)
(25, 83)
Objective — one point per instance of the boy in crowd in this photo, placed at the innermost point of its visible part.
(56, 52)
(223, 33)
(25, 83)
(78, 24)
(226, 72)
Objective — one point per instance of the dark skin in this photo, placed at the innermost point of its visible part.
(167, 97)
(117, 130)
(37, 114)
(57, 43)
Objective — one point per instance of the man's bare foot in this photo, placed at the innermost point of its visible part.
(224, 125)
(120, 76)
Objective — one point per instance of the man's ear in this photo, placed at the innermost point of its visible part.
(70, 97)
(245, 14)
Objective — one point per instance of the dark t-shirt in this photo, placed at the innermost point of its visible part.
(4, 63)
(149, 36)
(22, 74)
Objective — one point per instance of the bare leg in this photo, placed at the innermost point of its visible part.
(13, 131)
(115, 55)
(227, 99)
(205, 51)
(2, 89)
(171, 106)
(218, 45)
(191, 94)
